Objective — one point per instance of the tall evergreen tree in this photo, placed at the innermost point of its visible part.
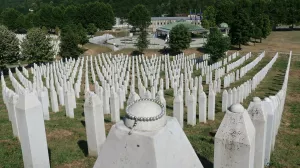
(36, 47)
(240, 31)
(142, 42)
(224, 9)
(45, 15)
(9, 47)
(139, 17)
(9, 18)
(216, 45)
(257, 34)
(91, 29)
(209, 16)
(180, 38)
(69, 43)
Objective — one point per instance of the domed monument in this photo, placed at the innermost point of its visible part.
(147, 138)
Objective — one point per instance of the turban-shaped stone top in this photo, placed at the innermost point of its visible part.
(145, 115)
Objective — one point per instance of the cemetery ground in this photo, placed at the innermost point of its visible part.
(66, 137)
(278, 41)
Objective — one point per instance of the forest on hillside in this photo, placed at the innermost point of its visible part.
(279, 11)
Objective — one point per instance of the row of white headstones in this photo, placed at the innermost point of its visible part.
(66, 93)
(246, 138)
(62, 72)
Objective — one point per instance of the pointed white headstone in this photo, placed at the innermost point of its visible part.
(94, 123)
(235, 140)
(259, 120)
(32, 131)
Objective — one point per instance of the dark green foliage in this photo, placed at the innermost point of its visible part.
(9, 47)
(91, 29)
(216, 45)
(180, 38)
(82, 34)
(52, 16)
(266, 26)
(69, 43)
(142, 42)
(224, 10)
(9, 18)
(71, 14)
(257, 33)
(99, 13)
(293, 12)
(209, 17)
(29, 20)
(36, 47)
(20, 22)
(45, 16)
(278, 10)
(240, 31)
(139, 17)
(57, 17)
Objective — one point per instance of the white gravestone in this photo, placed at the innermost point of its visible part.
(148, 139)
(224, 100)
(114, 106)
(202, 106)
(94, 123)
(12, 102)
(178, 109)
(259, 120)
(211, 105)
(235, 140)
(32, 131)
(53, 97)
(69, 104)
(267, 106)
(191, 107)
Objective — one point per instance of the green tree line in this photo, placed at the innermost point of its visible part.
(279, 11)
(52, 17)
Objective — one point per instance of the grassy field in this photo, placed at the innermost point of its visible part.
(66, 137)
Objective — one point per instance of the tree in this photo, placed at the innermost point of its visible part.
(257, 34)
(91, 29)
(240, 31)
(46, 17)
(180, 38)
(29, 21)
(266, 26)
(216, 44)
(99, 13)
(36, 46)
(57, 16)
(278, 11)
(142, 42)
(209, 16)
(139, 17)
(71, 14)
(20, 23)
(69, 43)
(81, 33)
(293, 12)
(224, 9)
(262, 22)
(9, 47)
(9, 18)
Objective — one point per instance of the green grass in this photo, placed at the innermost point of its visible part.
(66, 137)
